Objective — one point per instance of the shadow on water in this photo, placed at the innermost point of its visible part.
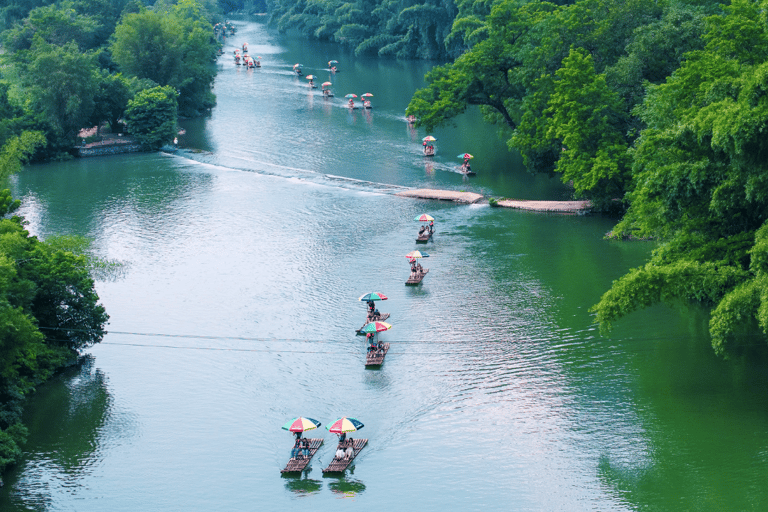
(301, 483)
(346, 488)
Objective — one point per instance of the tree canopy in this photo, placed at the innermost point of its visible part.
(700, 182)
(49, 308)
(173, 47)
(73, 64)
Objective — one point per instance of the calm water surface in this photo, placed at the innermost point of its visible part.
(235, 310)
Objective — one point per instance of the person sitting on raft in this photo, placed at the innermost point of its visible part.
(350, 451)
(296, 451)
(351, 103)
(305, 446)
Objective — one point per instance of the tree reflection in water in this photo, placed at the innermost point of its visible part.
(66, 418)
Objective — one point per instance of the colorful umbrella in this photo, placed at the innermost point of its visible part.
(465, 155)
(332, 63)
(351, 96)
(376, 327)
(367, 95)
(424, 217)
(416, 254)
(310, 77)
(372, 296)
(297, 66)
(429, 138)
(301, 424)
(345, 424)
(258, 58)
(327, 84)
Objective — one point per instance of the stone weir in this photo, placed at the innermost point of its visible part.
(442, 195)
(571, 207)
(111, 146)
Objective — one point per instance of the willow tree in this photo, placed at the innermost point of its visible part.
(701, 185)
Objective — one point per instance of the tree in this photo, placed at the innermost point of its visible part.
(151, 116)
(14, 153)
(56, 24)
(586, 117)
(701, 184)
(172, 48)
(59, 82)
(111, 100)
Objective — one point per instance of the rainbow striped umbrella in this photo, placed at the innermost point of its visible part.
(429, 138)
(416, 254)
(424, 217)
(372, 296)
(344, 424)
(376, 327)
(301, 424)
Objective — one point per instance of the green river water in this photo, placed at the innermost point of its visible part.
(235, 307)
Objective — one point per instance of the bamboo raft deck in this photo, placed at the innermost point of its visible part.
(370, 319)
(339, 465)
(416, 278)
(424, 237)
(297, 465)
(375, 358)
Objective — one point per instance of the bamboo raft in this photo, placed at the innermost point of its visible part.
(424, 236)
(416, 278)
(370, 319)
(376, 357)
(297, 465)
(339, 465)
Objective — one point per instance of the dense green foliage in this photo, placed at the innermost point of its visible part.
(74, 64)
(49, 310)
(700, 180)
(151, 116)
(380, 27)
(173, 46)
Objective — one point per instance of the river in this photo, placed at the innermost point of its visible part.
(234, 308)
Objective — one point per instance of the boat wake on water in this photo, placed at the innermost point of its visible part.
(289, 172)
